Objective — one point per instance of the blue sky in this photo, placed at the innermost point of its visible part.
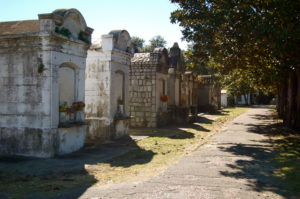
(142, 18)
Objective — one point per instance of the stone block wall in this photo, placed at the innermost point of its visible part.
(152, 78)
(142, 93)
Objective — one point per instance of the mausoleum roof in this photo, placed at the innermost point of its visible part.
(141, 57)
(19, 27)
(160, 50)
(61, 11)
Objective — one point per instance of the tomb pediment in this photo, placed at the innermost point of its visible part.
(121, 40)
(69, 23)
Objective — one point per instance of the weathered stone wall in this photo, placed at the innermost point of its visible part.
(177, 89)
(151, 77)
(216, 96)
(143, 95)
(29, 70)
(184, 91)
(107, 82)
(209, 97)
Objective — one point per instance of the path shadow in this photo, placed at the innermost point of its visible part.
(169, 132)
(137, 156)
(64, 176)
(216, 112)
(203, 120)
(272, 164)
(172, 131)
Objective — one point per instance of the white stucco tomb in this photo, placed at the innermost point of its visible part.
(106, 91)
(42, 67)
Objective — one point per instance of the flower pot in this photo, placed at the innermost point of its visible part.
(79, 116)
(62, 117)
(121, 108)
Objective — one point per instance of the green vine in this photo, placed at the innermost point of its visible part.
(84, 37)
(41, 68)
(63, 31)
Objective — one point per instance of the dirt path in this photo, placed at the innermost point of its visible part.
(234, 164)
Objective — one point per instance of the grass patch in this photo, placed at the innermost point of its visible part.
(287, 159)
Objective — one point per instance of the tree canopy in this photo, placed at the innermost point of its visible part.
(154, 42)
(138, 43)
(258, 36)
(254, 39)
(157, 41)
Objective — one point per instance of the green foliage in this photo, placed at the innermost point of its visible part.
(41, 66)
(157, 41)
(154, 42)
(197, 63)
(237, 84)
(84, 37)
(261, 38)
(63, 31)
(138, 44)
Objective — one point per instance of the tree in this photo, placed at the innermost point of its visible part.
(197, 64)
(138, 44)
(261, 38)
(155, 42)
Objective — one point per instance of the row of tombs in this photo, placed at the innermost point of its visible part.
(61, 92)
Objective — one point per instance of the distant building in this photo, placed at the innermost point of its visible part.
(224, 97)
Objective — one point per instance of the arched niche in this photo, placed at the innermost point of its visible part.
(161, 87)
(67, 83)
(119, 85)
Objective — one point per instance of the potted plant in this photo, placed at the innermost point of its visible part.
(62, 112)
(70, 113)
(78, 107)
(120, 105)
(164, 98)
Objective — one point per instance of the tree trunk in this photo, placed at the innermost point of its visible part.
(297, 119)
(281, 101)
(291, 111)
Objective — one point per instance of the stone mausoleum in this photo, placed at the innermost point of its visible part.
(107, 84)
(148, 87)
(210, 91)
(42, 68)
(160, 90)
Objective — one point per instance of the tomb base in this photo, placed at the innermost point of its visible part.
(27, 142)
(121, 127)
(41, 143)
(70, 139)
(99, 131)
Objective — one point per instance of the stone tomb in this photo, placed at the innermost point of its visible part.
(106, 91)
(210, 92)
(42, 67)
(148, 87)
(160, 91)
